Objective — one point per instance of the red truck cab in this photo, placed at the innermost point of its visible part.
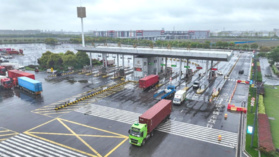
(7, 83)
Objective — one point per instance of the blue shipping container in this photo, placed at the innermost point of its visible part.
(30, 84)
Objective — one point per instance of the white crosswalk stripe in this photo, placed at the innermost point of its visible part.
(27, 146)
(205, 134)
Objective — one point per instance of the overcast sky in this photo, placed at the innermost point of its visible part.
(140, 14)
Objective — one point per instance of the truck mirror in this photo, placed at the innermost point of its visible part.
(141, 134)
(129, 131)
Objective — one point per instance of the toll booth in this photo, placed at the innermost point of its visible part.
(147, 65)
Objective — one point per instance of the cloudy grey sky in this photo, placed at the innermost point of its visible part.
(140, 14)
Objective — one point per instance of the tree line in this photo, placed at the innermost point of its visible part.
(167, 43)
(62, 61)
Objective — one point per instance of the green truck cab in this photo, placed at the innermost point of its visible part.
(148, 121)
(138, 134)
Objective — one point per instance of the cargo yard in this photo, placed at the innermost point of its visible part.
(166, 112)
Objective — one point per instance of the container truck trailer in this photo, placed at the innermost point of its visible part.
(148, 81)
(30, 85)
(14, 74)
(148, 121)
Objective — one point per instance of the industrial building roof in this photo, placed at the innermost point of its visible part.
(216, 55)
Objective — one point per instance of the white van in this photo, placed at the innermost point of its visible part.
(179, 97)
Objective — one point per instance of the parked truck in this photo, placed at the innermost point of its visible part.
(5, 68)
(148, 81)
(6, 82)
(30, 85)
(148, 121)
(14, 74)
(179, 97)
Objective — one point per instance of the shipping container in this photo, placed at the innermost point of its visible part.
(18, 73)
(148, 81)
(31, 85)
(156, 114)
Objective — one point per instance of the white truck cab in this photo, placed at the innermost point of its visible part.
(179, 97)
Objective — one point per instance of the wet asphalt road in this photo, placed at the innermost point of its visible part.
(102, 136)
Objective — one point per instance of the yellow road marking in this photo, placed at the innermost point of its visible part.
(67, 134)
(79, 137)
(116, 147)
(8, 134)
(44, 139)
(3, 139)
(5, 130)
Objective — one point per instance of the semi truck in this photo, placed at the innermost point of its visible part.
(148, 81)
(14, 74)
(167, 93)
(148, 121)
(179, 97)
(30, 85)
(6, 82)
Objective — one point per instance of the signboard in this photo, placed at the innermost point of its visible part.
(173, 65)
(249, 129)
(199, 67)
(163, 64)
(214, 69)
(151, 63)
(187, 67)
(251, 81)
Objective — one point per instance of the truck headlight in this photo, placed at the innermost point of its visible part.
(138, 135)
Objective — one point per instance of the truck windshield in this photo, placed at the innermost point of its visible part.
(3, 70)
(135, 132)
(176, 99)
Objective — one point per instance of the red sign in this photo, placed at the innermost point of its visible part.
(214, 69)
(199, 67)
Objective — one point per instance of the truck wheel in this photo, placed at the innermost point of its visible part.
(143, 142)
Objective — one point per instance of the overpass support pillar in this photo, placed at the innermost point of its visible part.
(166, 64)
(105, 60)
(123, 61)
(180, 68)
(134, 61)
(157, 65)
(117, 61)
(206, 72)
(90, 62)
(211, 66)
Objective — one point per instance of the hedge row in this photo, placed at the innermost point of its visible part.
(265, 138)
(261, 105)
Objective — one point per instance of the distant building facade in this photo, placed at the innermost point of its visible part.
(153, 34)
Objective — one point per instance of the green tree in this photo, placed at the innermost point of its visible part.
(69, 52)
(82, 59)
(245, 46)
(254, 46)
(69, 60)
(50, 41)
(55, 61)
(264, 49)
(219, 44)
(274, 55)
(43, 61)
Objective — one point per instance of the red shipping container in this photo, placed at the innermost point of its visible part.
(18, 73)
(148, 81)
(156, 114)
